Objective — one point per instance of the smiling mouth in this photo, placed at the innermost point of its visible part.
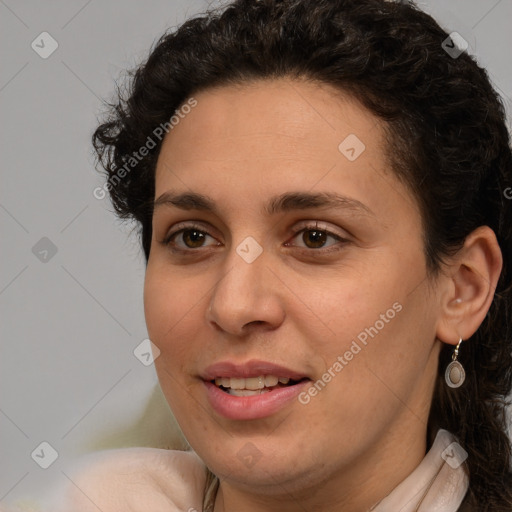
(240, 386)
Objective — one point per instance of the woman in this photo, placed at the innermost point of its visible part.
(321, 188)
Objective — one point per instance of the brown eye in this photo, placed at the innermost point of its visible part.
(314, 239)
(193, 238)
(189, 238)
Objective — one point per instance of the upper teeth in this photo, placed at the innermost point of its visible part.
(250, 383)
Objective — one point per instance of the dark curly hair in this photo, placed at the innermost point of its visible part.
(448, 139)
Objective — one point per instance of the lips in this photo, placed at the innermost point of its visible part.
(250, 369)
(236, 402)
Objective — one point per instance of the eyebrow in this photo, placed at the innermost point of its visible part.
(289, 201)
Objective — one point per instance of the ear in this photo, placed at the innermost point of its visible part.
(469, 284)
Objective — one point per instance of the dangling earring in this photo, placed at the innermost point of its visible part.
(455, 374)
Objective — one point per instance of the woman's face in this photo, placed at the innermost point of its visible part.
(266, 270)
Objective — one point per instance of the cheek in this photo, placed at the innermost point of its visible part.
(171, 310)
(175, 308)
(159, 304)
(378, 339)
(384, 364)
(169, 305)
(349, 303)
(168, 300)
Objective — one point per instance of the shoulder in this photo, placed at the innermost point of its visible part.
(132, 479)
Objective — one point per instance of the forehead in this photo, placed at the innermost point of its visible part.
(285, 121)
(242, 144)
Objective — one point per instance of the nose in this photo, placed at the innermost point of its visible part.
(247, 297)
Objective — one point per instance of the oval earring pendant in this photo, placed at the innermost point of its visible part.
(455, 374)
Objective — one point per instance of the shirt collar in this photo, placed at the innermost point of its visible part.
(438, 484)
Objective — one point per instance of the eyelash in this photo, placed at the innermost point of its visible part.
(168, 240)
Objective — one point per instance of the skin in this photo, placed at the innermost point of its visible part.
(298, 304)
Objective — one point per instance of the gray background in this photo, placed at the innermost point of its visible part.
(71, 322)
